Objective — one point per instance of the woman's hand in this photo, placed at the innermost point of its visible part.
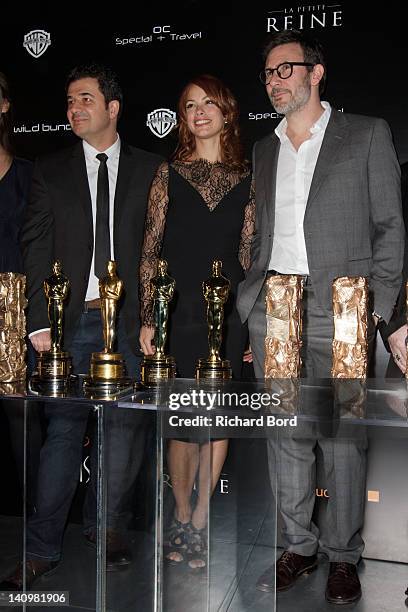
(248, 355)
(145, 338)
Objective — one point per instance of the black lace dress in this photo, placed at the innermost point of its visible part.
(198, 212)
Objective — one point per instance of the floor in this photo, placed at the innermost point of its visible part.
(242, 546)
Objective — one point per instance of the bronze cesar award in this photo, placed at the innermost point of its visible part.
(107, 374)
(54, 366)
(215, 290)
(159, 367)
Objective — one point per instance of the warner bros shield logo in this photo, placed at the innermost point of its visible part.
(161, 121)
(37, 42)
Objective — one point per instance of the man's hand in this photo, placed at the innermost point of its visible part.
(41, 341)
(145, 338)
(398, 347)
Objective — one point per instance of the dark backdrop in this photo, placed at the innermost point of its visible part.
(367, 51)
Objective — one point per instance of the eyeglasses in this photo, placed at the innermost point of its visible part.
(284, 71)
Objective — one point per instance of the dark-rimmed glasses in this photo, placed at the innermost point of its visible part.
(284, 71)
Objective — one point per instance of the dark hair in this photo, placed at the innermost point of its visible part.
(107, 81)
(312, 49)
(231, 148)
(5, 118)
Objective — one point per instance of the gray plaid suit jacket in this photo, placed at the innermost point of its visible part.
(353, 222)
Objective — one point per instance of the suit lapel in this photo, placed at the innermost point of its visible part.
(78, 167)
(125, 170)
(266, 168)
(333, 141)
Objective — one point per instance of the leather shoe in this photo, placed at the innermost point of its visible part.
(34, 569)
(118, 554)
(289, 567)
(343, 584)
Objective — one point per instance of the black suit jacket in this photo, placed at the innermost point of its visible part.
(399, 318)
(58, 225)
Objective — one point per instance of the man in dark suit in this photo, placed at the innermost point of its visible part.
(327, 205)
(87, 206)
(395, 333)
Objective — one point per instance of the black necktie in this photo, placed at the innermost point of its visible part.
(102, 234)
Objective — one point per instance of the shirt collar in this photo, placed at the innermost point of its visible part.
(91, 153)
(319, 126)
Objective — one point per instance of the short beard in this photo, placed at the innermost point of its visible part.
(298, 100)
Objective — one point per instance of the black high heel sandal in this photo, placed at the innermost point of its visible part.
(197, 548)
(177, 542)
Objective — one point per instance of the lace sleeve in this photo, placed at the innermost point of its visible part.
(247, 232)
(153, 237)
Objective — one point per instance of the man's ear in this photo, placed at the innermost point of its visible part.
(317, 74)
(113, 107)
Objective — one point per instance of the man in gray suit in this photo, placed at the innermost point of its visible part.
(328, 204)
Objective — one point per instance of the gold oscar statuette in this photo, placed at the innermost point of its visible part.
(159, 367)
(54, 366)
(107, 372)
(215, 291)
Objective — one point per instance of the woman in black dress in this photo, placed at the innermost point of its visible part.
(200, 209)
(15, 179)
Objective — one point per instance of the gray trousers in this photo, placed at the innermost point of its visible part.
(292, 455)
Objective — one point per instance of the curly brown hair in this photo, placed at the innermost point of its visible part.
(230, 141)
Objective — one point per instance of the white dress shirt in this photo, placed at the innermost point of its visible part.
(92, 167)
(293, 179)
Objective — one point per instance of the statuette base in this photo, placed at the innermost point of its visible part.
(107, 389)
(53, 366)
(156, 370)
(107, 367)
(51, 387)
(106, 376)
(213, 370)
